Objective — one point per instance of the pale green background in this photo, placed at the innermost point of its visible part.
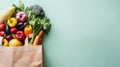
(84, 33)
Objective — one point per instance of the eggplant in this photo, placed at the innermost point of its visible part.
(7, 30)
(20, 26)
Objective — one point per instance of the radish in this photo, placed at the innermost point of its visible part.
(5, 14)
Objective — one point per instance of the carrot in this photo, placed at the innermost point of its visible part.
(38, 38)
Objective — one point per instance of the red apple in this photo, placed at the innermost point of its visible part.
(13, 30)
(9, 37)
(2, 27)
(2, 33)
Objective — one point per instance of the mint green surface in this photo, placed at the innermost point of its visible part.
(84, 33)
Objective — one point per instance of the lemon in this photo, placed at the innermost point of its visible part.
(15, 42)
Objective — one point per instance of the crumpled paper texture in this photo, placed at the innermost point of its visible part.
(21, 56)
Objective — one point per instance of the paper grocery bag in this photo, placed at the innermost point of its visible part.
(21, 56)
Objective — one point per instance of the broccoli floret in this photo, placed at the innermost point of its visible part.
(37, 10)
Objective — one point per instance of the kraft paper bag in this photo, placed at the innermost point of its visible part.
(21, 56)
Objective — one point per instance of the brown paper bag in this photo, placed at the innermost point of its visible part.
(21, 56)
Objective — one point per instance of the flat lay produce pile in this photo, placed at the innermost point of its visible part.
(20, 22)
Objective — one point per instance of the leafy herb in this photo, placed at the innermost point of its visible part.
(39, 24)
(35, 22)
(21, 5)
(46, 24)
